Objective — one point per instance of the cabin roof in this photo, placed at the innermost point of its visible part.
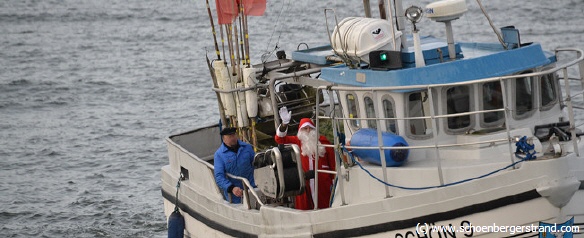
(474, 61)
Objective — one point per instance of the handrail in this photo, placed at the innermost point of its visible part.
(580, 60)
(434, 116)
(417, 118)
(246, 182)
(421, 146)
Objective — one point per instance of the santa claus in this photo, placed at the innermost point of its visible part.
(307, 140)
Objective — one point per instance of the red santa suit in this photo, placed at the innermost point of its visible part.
(304, 201)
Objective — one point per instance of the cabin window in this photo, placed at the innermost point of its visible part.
(492, 100)
(549, 91)
(370, 112)
(458, 101)
(353, 110)
(389, 113)
(419, 106)
(524, 97)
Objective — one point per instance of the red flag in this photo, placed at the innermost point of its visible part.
(226, 11)
(254, 7)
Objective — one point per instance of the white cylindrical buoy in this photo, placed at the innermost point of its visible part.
(242, 119)
(224, 83)
(251, 96)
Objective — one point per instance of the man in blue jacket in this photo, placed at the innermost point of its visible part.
(234, 157)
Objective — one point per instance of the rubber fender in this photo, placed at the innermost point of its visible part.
(176, 225)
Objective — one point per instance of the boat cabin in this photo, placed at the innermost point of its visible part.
(531, 98)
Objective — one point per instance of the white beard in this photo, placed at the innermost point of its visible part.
(309, 143)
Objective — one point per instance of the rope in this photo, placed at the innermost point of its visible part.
(267, 53)
(492, 25)
(521, 143)
(180, 178)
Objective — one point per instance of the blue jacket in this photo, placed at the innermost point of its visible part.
(240, 164)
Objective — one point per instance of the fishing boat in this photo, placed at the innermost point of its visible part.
(432, 137)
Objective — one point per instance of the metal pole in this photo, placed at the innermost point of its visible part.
(382, 13)
(400, 20)
(316, 158)
(340, 179)
(395, 47)
(367, 8)
(570, 110)
(450, 40)
(380, 143)
(435, 135)
(507, 126)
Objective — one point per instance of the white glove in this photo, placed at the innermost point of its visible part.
(285, 115)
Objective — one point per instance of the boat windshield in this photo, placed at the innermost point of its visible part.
(353, 110)
(492, 100)
(458, 101)
(524, 97)
(419, 106)
(549, 95)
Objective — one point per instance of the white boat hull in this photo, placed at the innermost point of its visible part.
(513, 200)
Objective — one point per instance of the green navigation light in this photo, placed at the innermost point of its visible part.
(383, 57)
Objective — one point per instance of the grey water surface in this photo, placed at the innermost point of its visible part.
(89, 90)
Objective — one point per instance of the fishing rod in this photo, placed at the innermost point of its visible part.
(245, 50)
(236, 41)
(242, 36)
(214, 77)
(243, 120)
(237, 73)
(246, 41)
(213, 29)
(215, 84)
(229, 29)
(222, 42)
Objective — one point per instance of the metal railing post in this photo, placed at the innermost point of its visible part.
(380, 143)
(339, 177)
(580, 68)
(570, 110)
(435, 134)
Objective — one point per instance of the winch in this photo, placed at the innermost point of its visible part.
(278, 171)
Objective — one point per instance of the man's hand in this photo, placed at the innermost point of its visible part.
(237, 191)
(285, 115)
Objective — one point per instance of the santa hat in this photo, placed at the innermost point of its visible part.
(304, 122)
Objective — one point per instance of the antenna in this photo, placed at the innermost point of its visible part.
(446, 11)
